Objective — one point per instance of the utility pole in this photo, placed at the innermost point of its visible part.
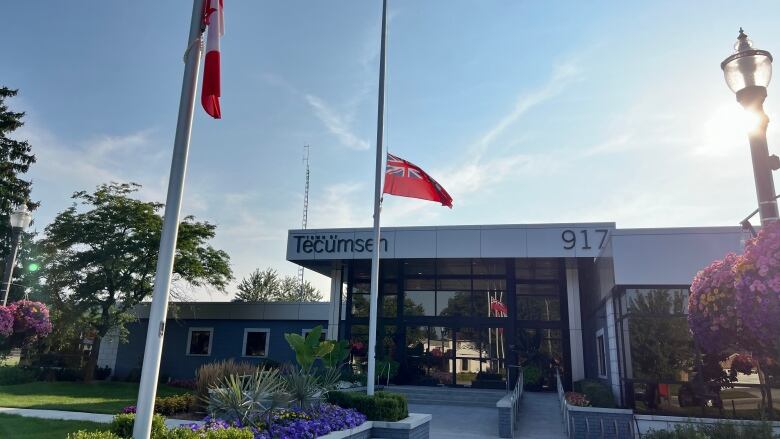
(305, 210)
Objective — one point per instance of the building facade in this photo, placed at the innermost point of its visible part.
(198, 333)
(464, 305)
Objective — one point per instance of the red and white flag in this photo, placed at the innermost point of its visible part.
(213, 19)
(408, 180)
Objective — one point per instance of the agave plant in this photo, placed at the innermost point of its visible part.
(248, 399)
(304, 387)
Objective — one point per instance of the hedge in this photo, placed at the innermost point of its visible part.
(383, 406)
(598, 393)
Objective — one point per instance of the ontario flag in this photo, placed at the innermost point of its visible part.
(213, 20)
(406, 179)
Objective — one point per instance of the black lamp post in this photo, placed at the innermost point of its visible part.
(748, 72)
(19, 220)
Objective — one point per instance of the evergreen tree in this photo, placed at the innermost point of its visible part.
(15, 160)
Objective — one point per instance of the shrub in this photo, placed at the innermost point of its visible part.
(60, 374)
(184, 384)
(598, 393)
(532, 377)
(102, 373)
(122, 426)
(93, 435)
(134, 376)
(16, 375)
(230, 433)
(577, 399)
(210, 374)
(724, 430)
(171, 405)
(383, 406)
(247, 399)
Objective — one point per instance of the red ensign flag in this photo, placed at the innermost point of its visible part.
(408, 180)
(213, 19)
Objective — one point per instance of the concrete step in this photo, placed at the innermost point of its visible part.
(448, 395)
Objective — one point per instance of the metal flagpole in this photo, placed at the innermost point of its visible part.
(372, 316)
(162, 279)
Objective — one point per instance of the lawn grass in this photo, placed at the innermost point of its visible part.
(18, 427)
(97, 397)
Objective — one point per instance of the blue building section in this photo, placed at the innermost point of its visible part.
(209, 333)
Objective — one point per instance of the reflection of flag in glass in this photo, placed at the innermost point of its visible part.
(498, 307)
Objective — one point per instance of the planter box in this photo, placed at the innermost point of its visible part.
(596, 422)
(416, 426)
(646, 423)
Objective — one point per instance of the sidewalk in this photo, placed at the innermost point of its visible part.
(79, 416)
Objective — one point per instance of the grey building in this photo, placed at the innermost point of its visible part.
(459, 305)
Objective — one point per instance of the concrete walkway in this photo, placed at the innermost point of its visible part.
(458, 422)
(79, 416)
(540, 417)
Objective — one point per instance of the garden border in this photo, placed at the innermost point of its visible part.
(416, 426)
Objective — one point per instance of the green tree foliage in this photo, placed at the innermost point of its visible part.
(100, 260)
(661, 344)
(268, 286)
(15, 160)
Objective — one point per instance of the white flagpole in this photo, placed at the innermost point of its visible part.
(162, 279)
(372, 316)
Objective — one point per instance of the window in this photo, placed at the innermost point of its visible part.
(256, 342)
(323, 334)
(199, 341)
(601, 353)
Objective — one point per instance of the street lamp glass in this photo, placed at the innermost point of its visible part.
(21, 218)
(747, 66)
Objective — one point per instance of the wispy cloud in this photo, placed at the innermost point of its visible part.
(562, 76)
(340, 206)
(337, 123)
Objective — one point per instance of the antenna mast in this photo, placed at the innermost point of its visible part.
(305, 210)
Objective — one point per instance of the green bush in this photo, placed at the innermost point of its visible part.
(182, 433)
(122, 426)
(532, 378)
(10, 375)
(723, 430)
(383, 406)
(93, 435)
(230, 433)
(598, 393)
(171, 405)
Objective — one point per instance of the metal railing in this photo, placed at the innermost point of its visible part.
(517, 395)
(562, 399)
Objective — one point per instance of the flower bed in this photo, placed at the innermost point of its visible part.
(295, 423)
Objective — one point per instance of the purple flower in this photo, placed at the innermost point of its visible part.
(6, 321)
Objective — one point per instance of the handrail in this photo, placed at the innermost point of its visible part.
(562, 399)
(515, 396)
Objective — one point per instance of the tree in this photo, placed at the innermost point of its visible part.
(15, 160)
(100, 262)
(268, 286)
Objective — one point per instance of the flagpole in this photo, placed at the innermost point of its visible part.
(372, 316)
(162, 279)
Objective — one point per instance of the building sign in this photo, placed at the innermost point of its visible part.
(333, 243)
(542, 241)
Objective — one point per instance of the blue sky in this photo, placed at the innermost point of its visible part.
(524, 111)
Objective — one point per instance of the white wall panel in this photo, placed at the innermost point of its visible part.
(459, 243)
(669, 256)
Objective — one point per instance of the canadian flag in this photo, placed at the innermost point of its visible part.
(213, 19)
